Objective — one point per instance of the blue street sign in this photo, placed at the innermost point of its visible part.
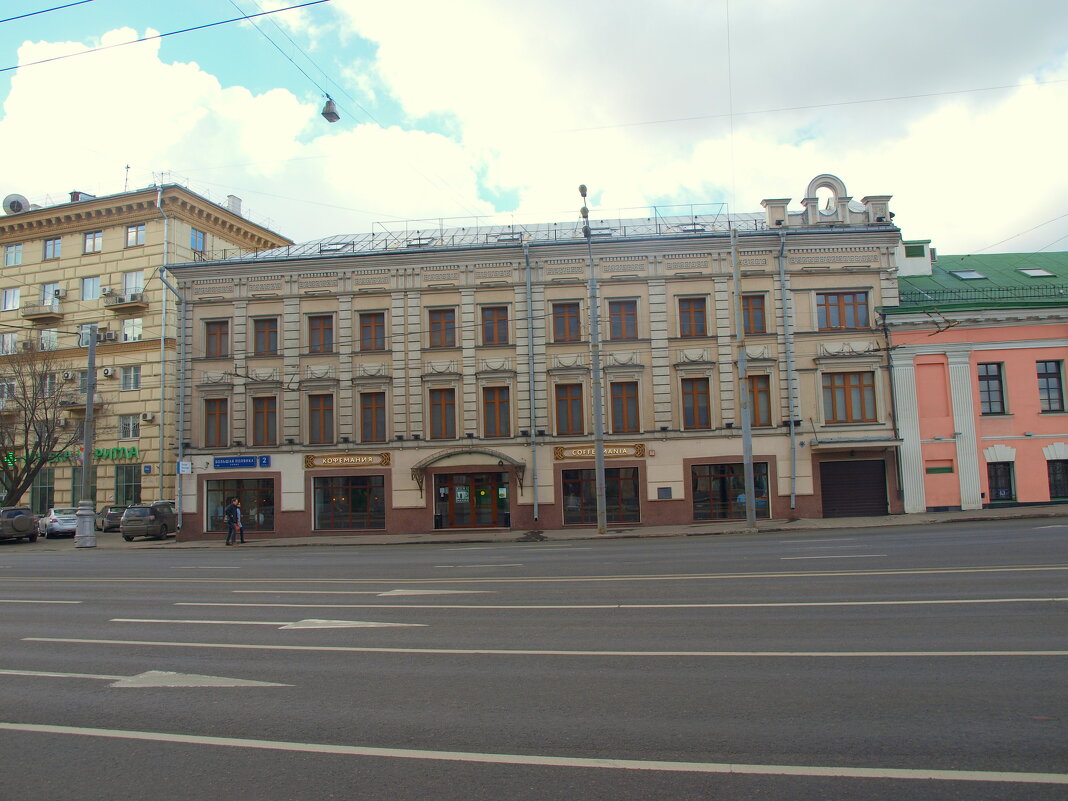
(265, 461)
(231, 462)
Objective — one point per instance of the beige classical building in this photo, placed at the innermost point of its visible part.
(411, 381)
(96, 260)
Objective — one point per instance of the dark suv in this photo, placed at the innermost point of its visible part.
(156, 519)
(18, 522)
(108, 518)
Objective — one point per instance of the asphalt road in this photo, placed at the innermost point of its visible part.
(920, 663)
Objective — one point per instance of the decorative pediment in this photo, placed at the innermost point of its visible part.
(861, 347)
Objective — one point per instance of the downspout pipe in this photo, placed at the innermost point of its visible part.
(180, 427)
(531, 385)
(791, 374)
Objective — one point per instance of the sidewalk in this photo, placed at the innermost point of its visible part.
(112, 541)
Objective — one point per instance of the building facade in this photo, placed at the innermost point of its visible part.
(409, 381)
(95, 261)
(979, 346)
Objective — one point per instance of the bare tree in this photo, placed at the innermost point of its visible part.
(35, 422)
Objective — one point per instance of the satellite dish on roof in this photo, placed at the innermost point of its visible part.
(15, 204)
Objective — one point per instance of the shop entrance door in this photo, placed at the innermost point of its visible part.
(471, 500)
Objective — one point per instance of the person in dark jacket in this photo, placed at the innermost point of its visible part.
(234, 527)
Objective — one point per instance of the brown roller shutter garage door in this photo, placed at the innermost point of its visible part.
(853, 489)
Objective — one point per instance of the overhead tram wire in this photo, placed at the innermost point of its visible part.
(45, 11)
(161, 35)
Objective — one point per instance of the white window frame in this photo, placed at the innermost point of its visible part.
(135, 235)
(11, 299)
(92, 283)
(131, 377)
(48, 293)
(93, 242)
(48, 339)
(132, 329)
(133, 283)
(129, 426)
(12, 255)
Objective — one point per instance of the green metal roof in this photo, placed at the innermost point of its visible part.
(996, 282)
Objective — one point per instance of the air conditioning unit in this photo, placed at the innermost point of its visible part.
(27, 345)
(111, 336)
(69, 375)
(135, 297)
(147, 417)
(59, 294)
(105, 291)
(108, 372)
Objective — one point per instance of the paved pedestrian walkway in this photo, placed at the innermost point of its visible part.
(112, 541)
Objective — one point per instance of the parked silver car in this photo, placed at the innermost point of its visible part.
(157, 519)
(60, 521)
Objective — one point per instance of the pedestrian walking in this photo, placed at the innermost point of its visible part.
(234, 527)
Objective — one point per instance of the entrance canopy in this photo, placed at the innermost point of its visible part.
(516, 468)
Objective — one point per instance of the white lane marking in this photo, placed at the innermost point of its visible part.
(24, 601)
(836, 556)
(1057, 525)
(922, 774)
(760, 605)
(496, 564)
(207, 567)
(825, 539)
(777, 574)
(549, 652)
(369, 592)
(479, 548)
(150, 678)
(310, 623)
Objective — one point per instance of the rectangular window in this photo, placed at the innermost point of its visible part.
(753, 314)
(622, 493)
(11, 299)
(623, 319)
(127, 484)
(265, 421)
(53, 248)
(216, 423)
(94, 242)
(569, 409)
(43, 491)
(320, 419)
(133, 283)
(9, 343)
(83, 381)
(135, 235)
(12, 255)
(46, 384)
(76, 484)
(217, 338)
(48, 293)
(760, 399)
(842, 311)
(696, 405)
(718, 491)
(349, 502)
(566, 327)
(442, 413)
(132, 329)
(265, 336)
(49, 339)
(496, 412)
(91, 288)
(197, 240)
(373, 416)
(257, 503)
(692, 317)
(849, 397)
(321, 333)
(495, 325)
(991, 388)
(1050, 386)
(130, 377)
(1058, 478)
(129, 426)
(442, 328)
(1002, 480)
(624, 407)
(373, 331)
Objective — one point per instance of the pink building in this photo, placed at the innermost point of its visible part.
(978, 346)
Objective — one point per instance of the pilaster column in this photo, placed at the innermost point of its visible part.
(908, 422)
(960, 389)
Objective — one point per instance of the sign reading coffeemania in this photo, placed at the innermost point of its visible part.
(347, 460)
(610, 452)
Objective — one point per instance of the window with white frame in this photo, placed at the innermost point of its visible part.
(132, 329)
(133, 283)
(129, 426)
(91, 288)
(83, 381)
(12, 255)
(49, 339)
(135, 235)
(130, 377)
(11, 299)
(46, 384)
(48, 293)
(94, 242)
(197, 240)
(9, 343)
(53, 248)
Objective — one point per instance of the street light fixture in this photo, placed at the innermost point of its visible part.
(595, 368)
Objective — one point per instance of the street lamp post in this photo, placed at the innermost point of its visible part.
(595, 368)
(85, 528)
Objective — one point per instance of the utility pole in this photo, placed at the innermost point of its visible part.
(85, 531)
(595, 367)
(743, 390)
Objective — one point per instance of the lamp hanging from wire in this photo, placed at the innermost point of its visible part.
(329, 111)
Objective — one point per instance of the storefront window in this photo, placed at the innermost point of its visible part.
(621, 491)
(719, 491)
(471, 500)
(257, 503)
(346, 502)
(43, 491)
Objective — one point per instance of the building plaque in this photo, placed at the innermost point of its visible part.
(347, 460)
(636, 451)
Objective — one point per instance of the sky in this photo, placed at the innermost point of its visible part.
(499, 109)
